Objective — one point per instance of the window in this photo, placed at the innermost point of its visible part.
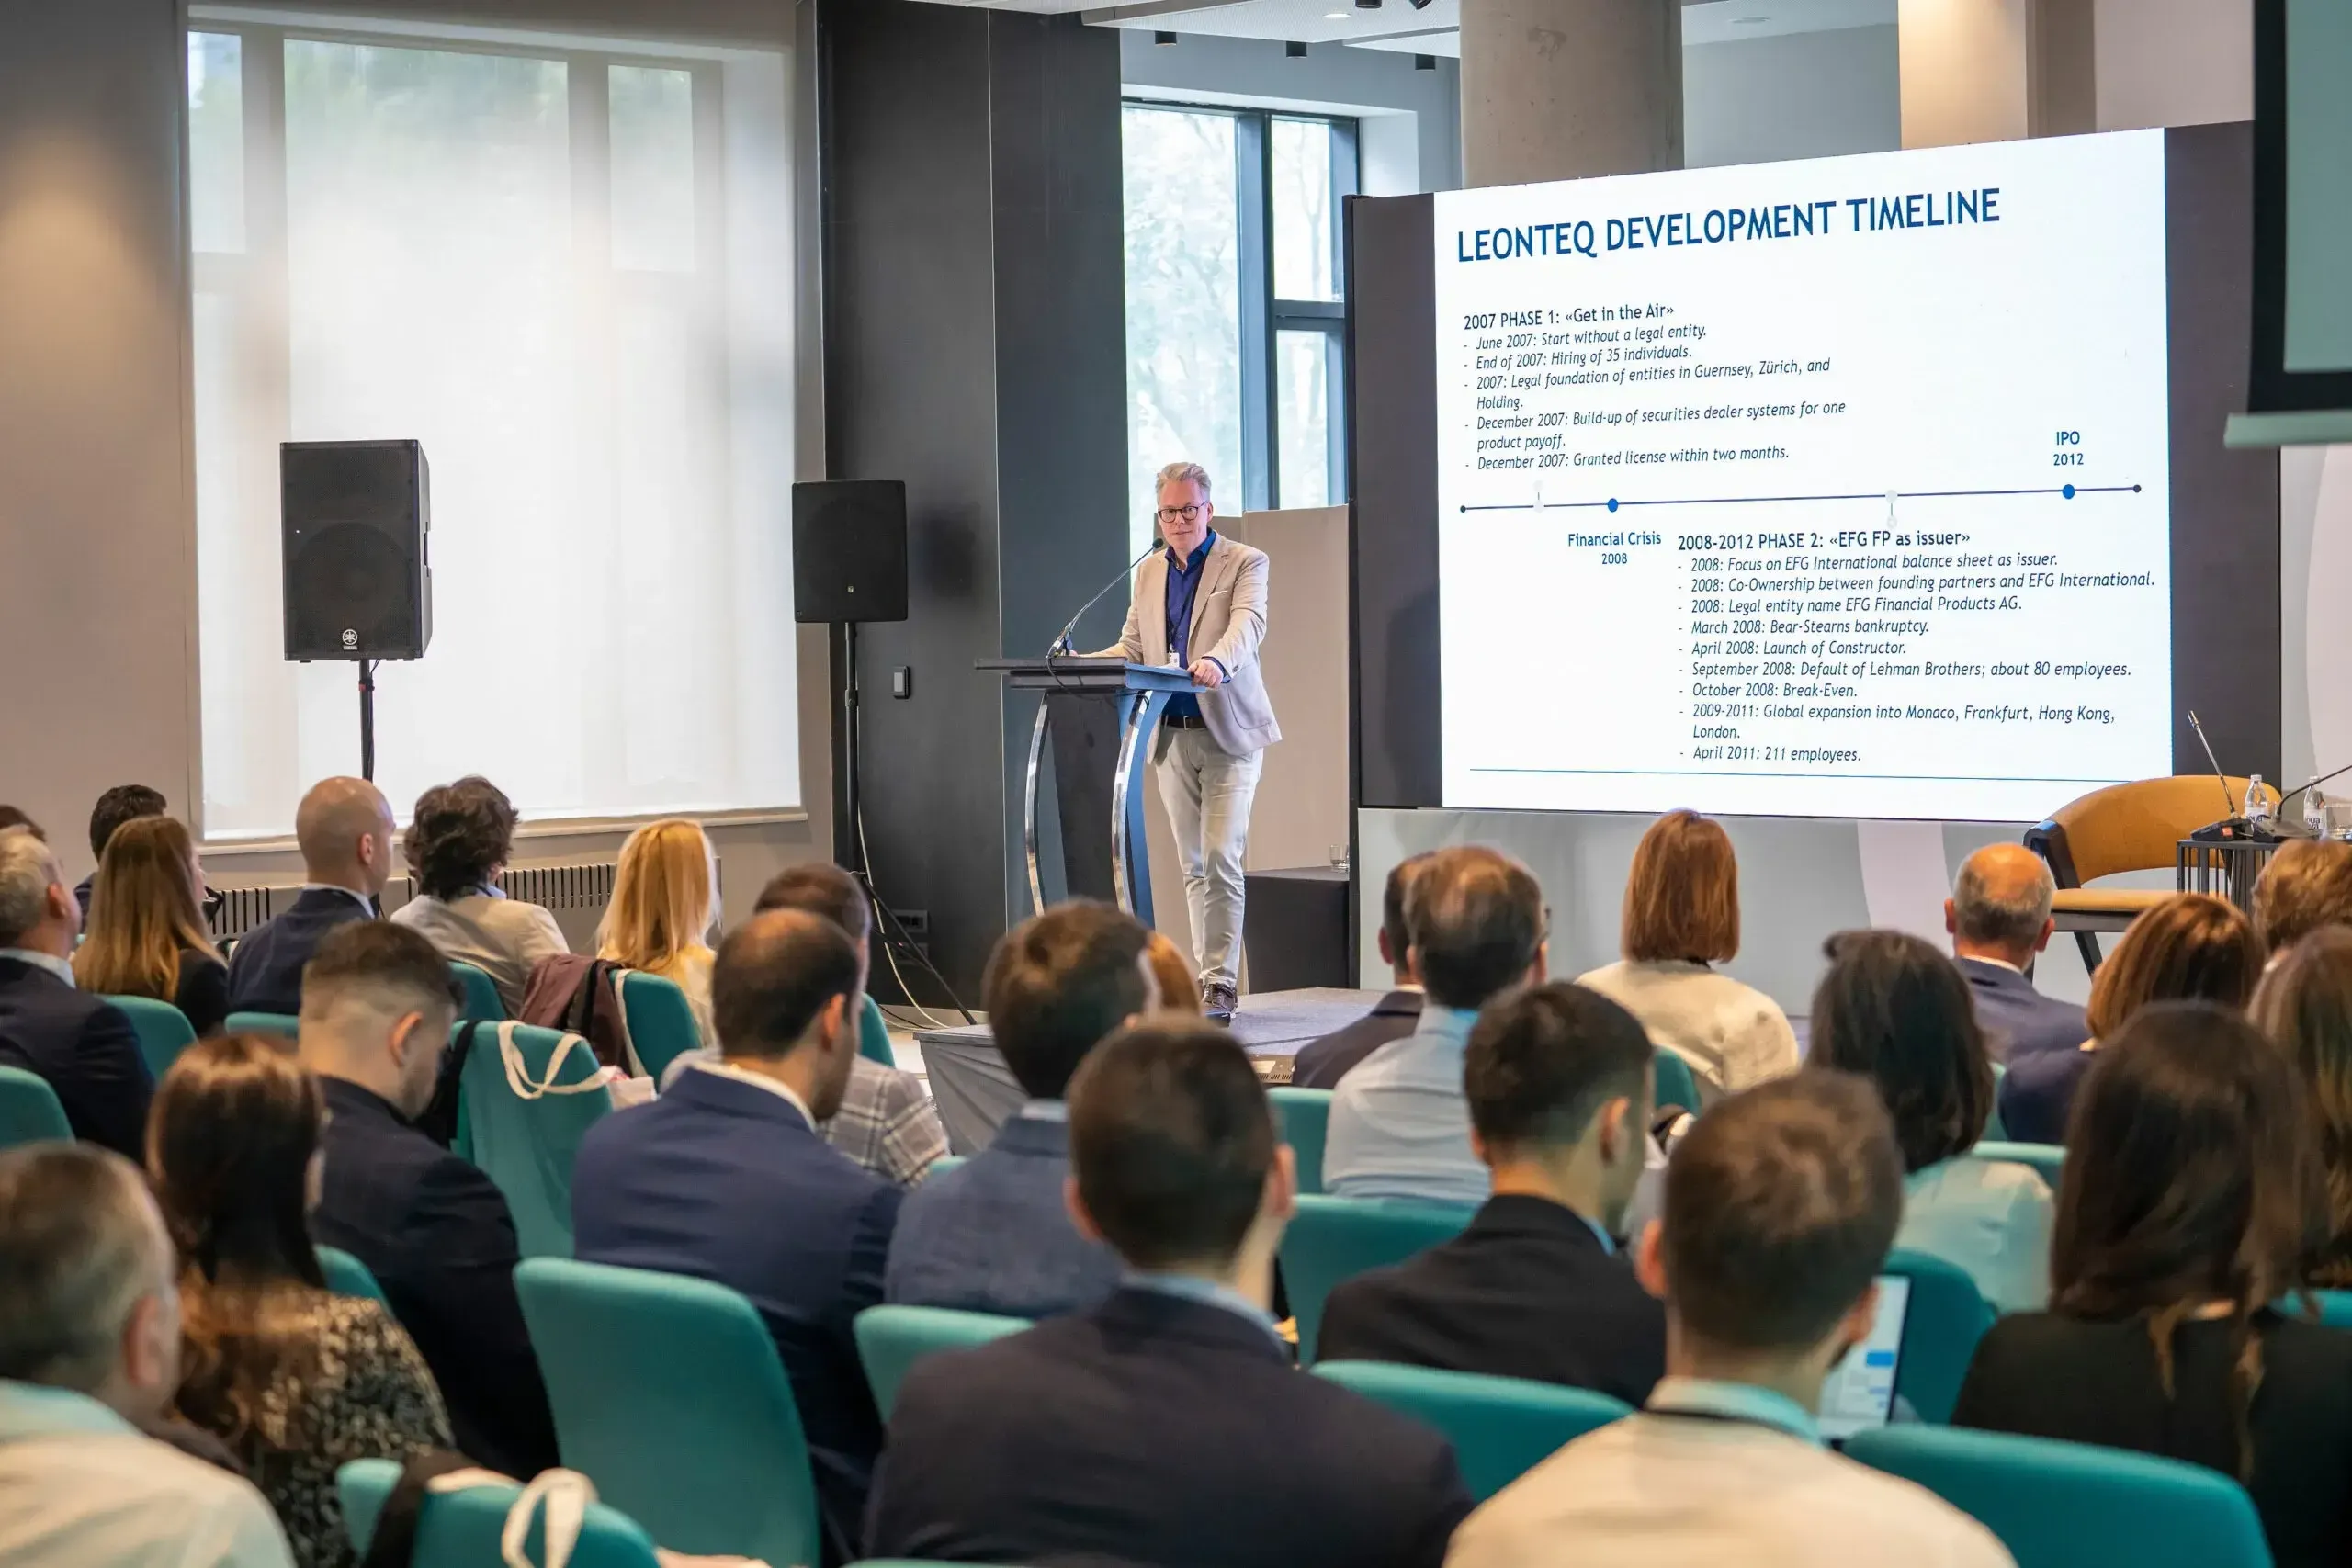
(1235, 303)
(568, 273)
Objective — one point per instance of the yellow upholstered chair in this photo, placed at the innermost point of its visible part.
(2126, 827)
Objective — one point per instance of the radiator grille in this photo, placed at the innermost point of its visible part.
(586, 885)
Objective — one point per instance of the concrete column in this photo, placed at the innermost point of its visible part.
(1560, 89)
(1995, 70)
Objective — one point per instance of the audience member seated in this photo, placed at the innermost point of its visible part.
(665, 895)
(886, 1122)
(146, 932)
(2305, 885)
(1781, 1205)
(123, 803)
(458, 844)
(90, 1354)
(1895, 1011)
(378, 1002)
(1167, 1426)
(2192, 948)
(85, 1048)
(1681, 918)
(1179, 991)
(2000, 919)
(995, 1235)
(2304, 1007)
(343, 828)
(1321, 1064)
(295, 1381)
(2192, 1198)
(1558, 1081)
(724, 1179)
(1399, 1127)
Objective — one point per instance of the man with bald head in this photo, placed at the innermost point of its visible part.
(1998, 915)
(724, 1177)
(344, 830)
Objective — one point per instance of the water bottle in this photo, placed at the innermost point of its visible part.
(2257, 800)
(2315, 813)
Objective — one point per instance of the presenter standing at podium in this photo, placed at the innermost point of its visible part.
(1200, 604)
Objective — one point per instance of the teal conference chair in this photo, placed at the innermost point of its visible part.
(1500, 1427)
(667, 1394)
(662, 1027)
(163, 1031)
(2334, 1306)
(1947, 1318)
(1673, 1081)
(483, 1003)
(891, 1340)
(1996, 1131)
(284, 1023)
(2064, 1504)
(525, 1140)
(346, 1275)
(1303, 1116)
(943, 1165)
(2046, 1158)
(874, 1035)
(1332, 1239)
(462, 1529)
(30, 1111)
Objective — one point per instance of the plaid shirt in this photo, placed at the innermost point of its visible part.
(886, 1122)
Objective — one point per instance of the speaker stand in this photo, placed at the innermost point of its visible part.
(368, 719)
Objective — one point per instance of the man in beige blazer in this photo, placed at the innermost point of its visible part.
(1201, 604)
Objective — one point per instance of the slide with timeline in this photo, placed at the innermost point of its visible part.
(1827, 488)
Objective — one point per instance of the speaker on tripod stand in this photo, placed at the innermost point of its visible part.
(355, 524)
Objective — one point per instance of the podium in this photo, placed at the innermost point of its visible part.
(1096, 712)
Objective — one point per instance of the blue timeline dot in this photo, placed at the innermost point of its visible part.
(1612, 504)
(2068, 491)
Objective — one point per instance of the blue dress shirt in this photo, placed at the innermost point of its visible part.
(1184, 587)
(1399, 1127)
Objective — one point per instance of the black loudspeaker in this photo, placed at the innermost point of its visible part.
(849, 551)
(354, 521)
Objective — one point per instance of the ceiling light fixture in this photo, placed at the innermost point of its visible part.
(1367, 5)
(1425, 63)
(1420, 4)
(1295, 49)
(1163, 39)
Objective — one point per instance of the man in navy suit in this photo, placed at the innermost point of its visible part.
(1998, 915)
(995, 1235)
(80, 1044)
(345, 828)
(1558, 1081)
(376, 1005)
(1167, 1426)
(725, 1178)
(1321, 1064)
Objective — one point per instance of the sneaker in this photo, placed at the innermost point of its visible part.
(1216, 1001)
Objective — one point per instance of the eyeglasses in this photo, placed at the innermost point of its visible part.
(1189, 514)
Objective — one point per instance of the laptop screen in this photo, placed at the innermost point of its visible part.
(1860, 1394)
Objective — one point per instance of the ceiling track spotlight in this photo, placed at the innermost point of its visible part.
(1295, 49)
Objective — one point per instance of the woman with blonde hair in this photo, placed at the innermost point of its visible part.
(2304, 1007)
(663, 899)
(1681, 918)
(1172, 975)
(147, 935)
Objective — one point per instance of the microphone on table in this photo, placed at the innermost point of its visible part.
(1060, 647)
(2234, 828)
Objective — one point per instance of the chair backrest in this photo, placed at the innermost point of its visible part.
(874, 1035)
(483, 1003)
(1500, 1427)
(943, 1165)
(30, 1111)
(1332, 1239)
(667, 1394)
(2335, 1307)
(2129, 827)
(346, 1275)
(284, 1023)
(1948, 1316)
(1994, 1130)
(1672, 1080)
(1303, 1116)
(891, 1340)
(2044, 1158)
(461, 1529)
(662, 1026)
(526, 1145)
(163, 1031)
(2062, 1505)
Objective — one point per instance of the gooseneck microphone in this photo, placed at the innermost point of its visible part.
(1060, 647)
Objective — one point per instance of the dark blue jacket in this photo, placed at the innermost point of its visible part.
(2019, 1020)
(438, 1237)
(265, 969)
(724, 1180)
(85, 1048)
(1321, 1064)
(993, 1236)
(1160, 1432)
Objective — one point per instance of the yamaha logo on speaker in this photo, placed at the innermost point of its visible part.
(351, 636)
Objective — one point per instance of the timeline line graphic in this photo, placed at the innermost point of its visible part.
(2067, 492)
